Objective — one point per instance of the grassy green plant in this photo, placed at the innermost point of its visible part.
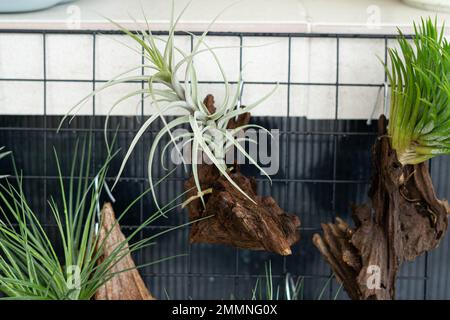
(291, 289)
(419, 120)
(34, 265)
(208, 131)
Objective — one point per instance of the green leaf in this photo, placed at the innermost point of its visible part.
(420, 94)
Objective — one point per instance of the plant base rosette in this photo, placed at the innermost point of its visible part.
(402, 220)
(234, 219)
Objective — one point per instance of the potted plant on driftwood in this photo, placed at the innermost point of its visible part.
(403, 218)
(237, 215)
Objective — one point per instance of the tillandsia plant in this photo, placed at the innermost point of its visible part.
(289, 289)
(166, 92)
(36, 265)
(3, 154)
(419, 119)
(213, 130)
(403, 218)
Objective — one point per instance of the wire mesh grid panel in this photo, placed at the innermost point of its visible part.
(320, 108)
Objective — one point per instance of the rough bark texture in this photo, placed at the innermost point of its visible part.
(241, 120)
(402, 220)
(126, 285)
(234, 219)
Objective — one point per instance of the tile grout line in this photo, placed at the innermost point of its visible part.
(335, 145)
(44, 43)
(237, 251)
(287, 167)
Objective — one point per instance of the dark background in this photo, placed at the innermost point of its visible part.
(324, 166)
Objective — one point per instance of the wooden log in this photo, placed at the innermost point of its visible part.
(402, 220)
(234, 219)
(237, 221)
(125, 285)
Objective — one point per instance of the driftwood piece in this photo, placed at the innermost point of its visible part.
(237, 221)
(126, 285)
(241, 120)
(234, 219)
(402, 220)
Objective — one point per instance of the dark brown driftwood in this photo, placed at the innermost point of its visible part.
(241, 120)
(235, 220)
(126, 285)
(402, 220)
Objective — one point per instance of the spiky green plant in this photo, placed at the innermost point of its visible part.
(419, 120)
(208, 131)
(32, 267)
(292, 290)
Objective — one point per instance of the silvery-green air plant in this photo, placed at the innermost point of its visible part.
(165, 92)
(419, 120)
(38, 264)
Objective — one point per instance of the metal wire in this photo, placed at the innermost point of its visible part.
(287, 179)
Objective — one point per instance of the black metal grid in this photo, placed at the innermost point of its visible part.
(330, 192)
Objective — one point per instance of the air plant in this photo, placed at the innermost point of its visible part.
(208, 129)
(403, 218)
(419, 124)
(32, 267)
(291, 290)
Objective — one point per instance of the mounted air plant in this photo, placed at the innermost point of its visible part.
(403, 218)
(238, 216)
(419, 120)
(78, 263)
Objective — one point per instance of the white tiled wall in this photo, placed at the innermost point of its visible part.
(265, 59)
(359, 61)
(227, 52)
(313, 101)
(21, 56)
(69, 57)
(358, 102)
(62, 96)
(114, 55)
(308, 75)
(313, 60)
(106, 99)
(22, 97)
(275, 105)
